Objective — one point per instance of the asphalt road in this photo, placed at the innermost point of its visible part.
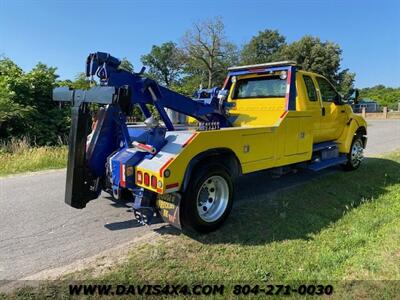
(383, 136)
(38, 231)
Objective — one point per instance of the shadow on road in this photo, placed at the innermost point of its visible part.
(118, 203)
(265, 213)
(123, 225)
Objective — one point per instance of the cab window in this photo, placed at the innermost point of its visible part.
(328, 93)
(260, 87)
(310, 87)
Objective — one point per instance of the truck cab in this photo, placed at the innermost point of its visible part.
(259, 99)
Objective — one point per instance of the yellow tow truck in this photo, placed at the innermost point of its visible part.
(266, 116)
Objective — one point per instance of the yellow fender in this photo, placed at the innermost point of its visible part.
(348, 133)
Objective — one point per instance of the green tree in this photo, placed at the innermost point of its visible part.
(188, 84)
(9, 110)
(126, 65)
(165, 63)
(47, 122)
(316, 56)
(15, 101)
(344, 81)
(81, 82)
(265, 47)
(320, 57)
(385, 96)
(208, 52)
(27, 106)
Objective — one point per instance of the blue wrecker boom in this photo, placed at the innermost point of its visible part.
(118, 92)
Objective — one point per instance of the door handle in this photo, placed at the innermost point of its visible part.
(342, 111)
(323, 111)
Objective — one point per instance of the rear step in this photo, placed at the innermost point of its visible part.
(326, 155)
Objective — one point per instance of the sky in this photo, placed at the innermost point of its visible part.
(63, 33)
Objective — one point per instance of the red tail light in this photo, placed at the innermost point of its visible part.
(122, 174)
(154, 182)
(139, 177)
(146, 179)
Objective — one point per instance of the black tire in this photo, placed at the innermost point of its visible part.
(208, 175)
(353, 161)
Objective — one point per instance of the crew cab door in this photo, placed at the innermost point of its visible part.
(333, 113)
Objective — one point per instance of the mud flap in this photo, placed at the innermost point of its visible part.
(169, 206)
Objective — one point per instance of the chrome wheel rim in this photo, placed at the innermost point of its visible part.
(357, 153)
(212, 198)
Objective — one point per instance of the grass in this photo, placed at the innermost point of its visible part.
(17, 156)
(341, 229)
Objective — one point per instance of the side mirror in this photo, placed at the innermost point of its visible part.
(356, 96)
(352, 96)
(338, 99)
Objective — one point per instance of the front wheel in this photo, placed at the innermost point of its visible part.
(356, 155)
(208, 199)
